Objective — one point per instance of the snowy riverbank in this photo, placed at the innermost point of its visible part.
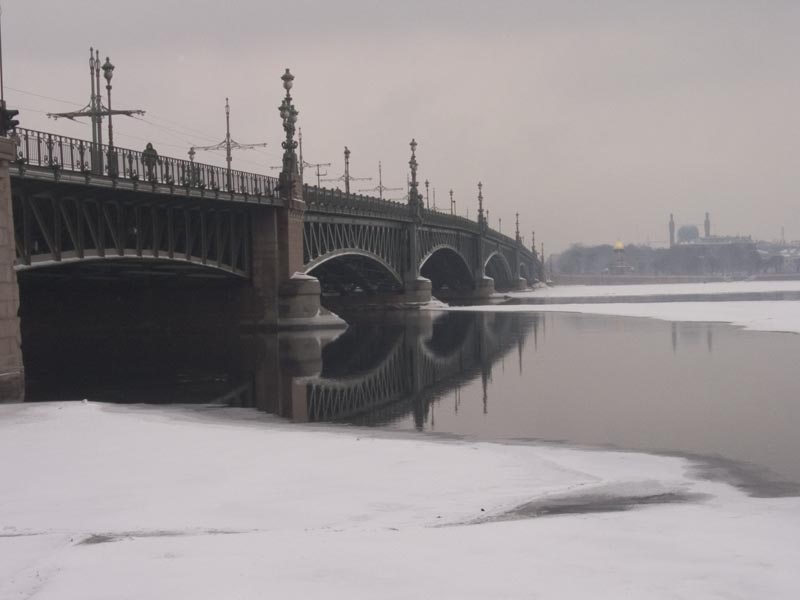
(102, 501)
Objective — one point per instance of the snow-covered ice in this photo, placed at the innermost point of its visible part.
(105, 501)
(658, 289)
(758, 315)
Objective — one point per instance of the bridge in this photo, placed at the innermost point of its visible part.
(264, 252)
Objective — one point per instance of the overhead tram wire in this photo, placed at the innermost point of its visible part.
(187, 141)
(195, 133)
(27, 93)
(346, 177)
(380, 188)
(29, 109)
(229, 144)
(189, 132)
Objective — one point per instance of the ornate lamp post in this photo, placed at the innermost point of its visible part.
(108, 73)
(452, 204)
(289, 115)
(517, 227)
(347, 170)
(427, 197)
(481, 221)
(414, 198)
(192, 168)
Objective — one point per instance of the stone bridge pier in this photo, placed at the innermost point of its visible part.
(280, 296)
(12, 385)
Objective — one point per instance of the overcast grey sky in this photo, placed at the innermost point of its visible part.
(593, 119)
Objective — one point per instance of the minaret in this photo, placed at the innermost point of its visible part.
(707, 226)
(671, 231)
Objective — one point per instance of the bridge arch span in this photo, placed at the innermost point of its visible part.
(52, 229)
(447, 268)
(498, 268)
(348, 271)
(94, 263)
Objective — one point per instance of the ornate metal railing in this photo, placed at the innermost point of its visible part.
(66, 154)
(326, 200)
(447, 220)
(321, 199)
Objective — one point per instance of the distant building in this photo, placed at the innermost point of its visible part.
(710, 254)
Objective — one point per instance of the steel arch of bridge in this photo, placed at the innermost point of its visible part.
(328, 238)
(67, 209)
(340, 224)
(431, 239)
(59, 229)
(321, 260)
(504, 260)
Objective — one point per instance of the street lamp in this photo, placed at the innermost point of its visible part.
(452, 204)
(192, 171)
(481, 222)
(108, 73)
(412, 196)
(347, 170)
(427, 198)
(289, 115)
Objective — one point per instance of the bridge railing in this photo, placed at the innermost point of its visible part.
(320, 199)
(61, 153)
(439, 218)
(324, 200)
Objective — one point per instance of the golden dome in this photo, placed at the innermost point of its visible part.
(619, 246)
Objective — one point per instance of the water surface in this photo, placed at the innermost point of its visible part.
(707, 390)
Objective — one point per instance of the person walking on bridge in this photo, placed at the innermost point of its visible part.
(150, 160)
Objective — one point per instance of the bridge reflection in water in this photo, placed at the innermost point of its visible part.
(380, 370)
(376, 373)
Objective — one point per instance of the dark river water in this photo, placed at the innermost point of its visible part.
(729, 396)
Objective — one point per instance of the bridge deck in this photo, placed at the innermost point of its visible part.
(43, 156)
(48, 157)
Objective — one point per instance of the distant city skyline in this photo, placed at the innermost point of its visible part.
(594, 121)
